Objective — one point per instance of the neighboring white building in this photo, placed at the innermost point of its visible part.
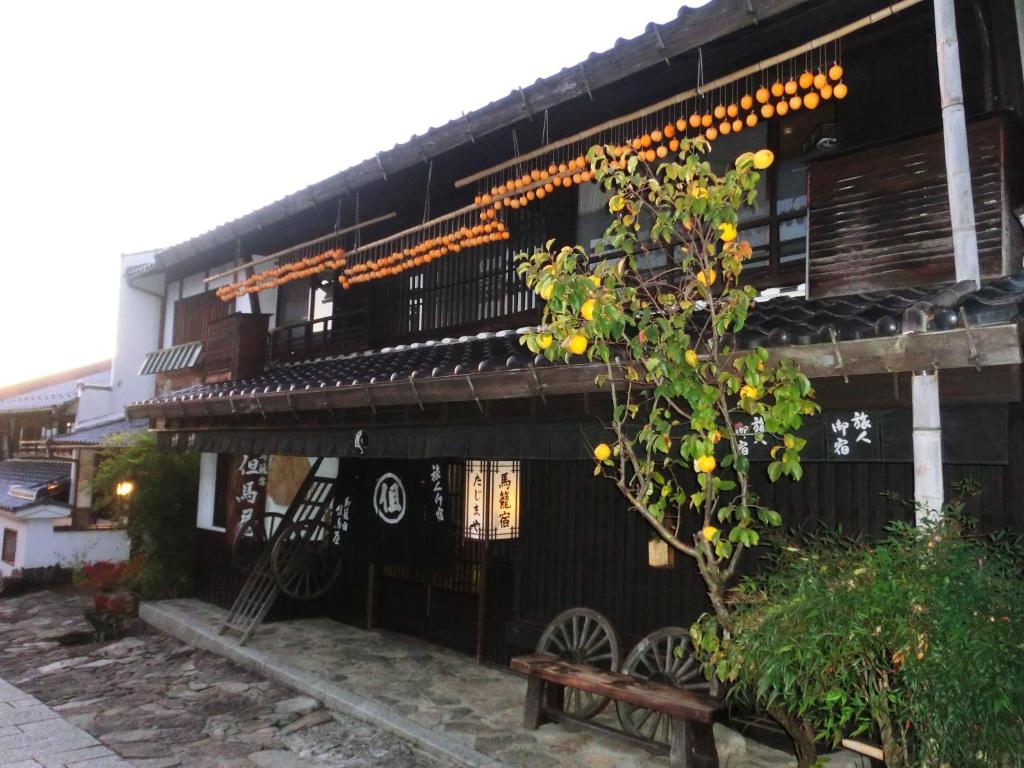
(36, 528)
(46, 516)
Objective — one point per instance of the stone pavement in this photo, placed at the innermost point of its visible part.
(34, 736)
(150, 701)
(472, 714)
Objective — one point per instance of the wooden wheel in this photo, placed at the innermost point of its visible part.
(252, 538)
(582, 636)
(664, 656)
(302, 560)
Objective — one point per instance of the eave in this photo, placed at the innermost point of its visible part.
(980, 347)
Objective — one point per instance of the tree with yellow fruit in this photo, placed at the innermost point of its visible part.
(660, 304)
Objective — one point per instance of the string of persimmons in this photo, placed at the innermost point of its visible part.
(807, 91)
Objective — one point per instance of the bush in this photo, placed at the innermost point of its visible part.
(106, 594)
(915, 641)
(161, 510)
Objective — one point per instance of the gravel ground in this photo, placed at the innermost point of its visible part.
(159, 703)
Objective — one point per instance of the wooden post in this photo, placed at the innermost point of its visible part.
(481, 607)
(954, 131)
(371, 595)
(928, 487)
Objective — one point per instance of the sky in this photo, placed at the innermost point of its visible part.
(127, 126)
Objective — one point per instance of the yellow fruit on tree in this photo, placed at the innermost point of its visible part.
(705, 464)
(709, 532)
(587, 310)
(707, 277)
(578, 344)
(544, 340)
(763, 158)
(747, 391)
(602, 451)
(691, 357)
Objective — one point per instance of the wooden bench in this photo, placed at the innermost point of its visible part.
(692, 714)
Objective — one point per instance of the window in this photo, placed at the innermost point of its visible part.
(223, 487)
(776, 227)
(10, 547)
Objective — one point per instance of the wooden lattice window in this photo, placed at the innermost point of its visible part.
(194, 314)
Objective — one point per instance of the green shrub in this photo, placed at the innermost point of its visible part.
(161, 510)
(916, 641)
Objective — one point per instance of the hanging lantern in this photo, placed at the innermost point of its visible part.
(492, 500)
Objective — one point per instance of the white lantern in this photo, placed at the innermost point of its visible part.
(492, 500)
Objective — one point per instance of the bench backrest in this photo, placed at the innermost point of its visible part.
(689, 705)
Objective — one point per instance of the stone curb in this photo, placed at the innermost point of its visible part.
(172, 622)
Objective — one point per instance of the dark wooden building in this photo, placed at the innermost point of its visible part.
(422, 370)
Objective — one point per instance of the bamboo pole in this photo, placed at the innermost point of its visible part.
(864, 749)
(954, 133)
(927, 436)
(308, 243)
(679, 98)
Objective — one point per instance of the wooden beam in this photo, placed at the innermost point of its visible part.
(315, 241)
(940, 350)
(937, 350)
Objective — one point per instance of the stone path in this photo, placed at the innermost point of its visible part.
(150, 701)
(431, 694)
(34, 736)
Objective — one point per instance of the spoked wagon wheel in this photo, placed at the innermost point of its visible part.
(664, 656)
(252, 538)
(303, 561)
(582, 636)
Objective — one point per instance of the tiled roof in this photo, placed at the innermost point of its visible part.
(96, 435)
(782, 321)
(52, 395)
(22, 480)
(177, 358)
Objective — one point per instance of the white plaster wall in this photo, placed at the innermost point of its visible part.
(40, 545)
(171, 296)
(207, 492)
(138, 334)
(193, 284)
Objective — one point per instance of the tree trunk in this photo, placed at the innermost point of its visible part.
(802, 735)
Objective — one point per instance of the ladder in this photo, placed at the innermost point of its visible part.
(261, 588)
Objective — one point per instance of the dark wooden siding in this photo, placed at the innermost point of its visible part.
(194, 314)
(879, 218)
(580, 545)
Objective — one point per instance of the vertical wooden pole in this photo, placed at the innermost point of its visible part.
(954, 131)
(928, 486)
(481, 609)
(371, 595)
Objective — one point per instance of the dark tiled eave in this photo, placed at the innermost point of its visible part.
(896, 331)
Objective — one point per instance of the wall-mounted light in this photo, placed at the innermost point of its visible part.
(492, 500)
(660, 554)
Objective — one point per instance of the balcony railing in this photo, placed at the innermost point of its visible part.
(318, 338)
